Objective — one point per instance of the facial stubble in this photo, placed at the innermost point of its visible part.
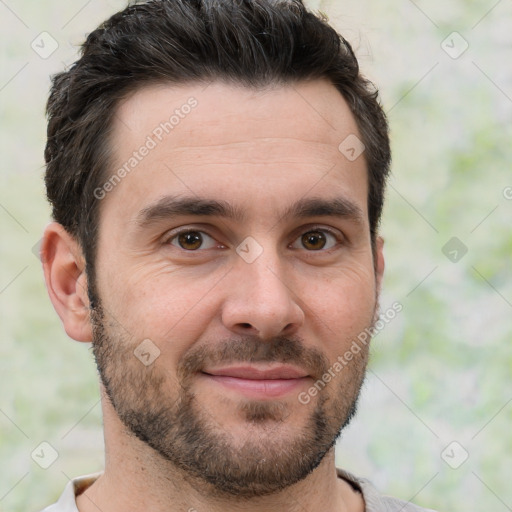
(163, 411)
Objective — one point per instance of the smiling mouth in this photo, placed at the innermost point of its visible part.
(258, 382)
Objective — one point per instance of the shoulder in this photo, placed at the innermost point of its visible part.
(67, 500)
(374, 500)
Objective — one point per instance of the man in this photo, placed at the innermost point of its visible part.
(216, 172)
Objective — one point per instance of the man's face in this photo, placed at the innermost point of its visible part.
(238, 315)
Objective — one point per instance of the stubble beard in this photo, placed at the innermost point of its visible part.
(183, 433)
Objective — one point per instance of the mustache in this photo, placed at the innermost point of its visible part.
(251, 349)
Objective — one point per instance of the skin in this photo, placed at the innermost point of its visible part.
(261, 151)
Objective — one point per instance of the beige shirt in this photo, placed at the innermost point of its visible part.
(374, 501)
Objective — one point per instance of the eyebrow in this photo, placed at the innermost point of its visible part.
(340, 207)
(173, 206)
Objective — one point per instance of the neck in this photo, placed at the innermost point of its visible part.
(137, 478)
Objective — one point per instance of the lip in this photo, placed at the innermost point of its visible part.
(257, 382)
(278, 372)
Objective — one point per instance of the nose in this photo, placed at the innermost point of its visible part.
(261, 300)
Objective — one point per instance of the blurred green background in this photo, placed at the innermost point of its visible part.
(439, 386)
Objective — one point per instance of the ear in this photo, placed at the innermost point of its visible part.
(379, 262)
(66, 281)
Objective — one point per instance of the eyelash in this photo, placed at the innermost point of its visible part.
(339, 239)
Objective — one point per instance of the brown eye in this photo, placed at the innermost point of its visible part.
(320, 240)
(314, 240)
(192, 240)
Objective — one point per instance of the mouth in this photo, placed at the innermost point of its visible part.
(258, 381)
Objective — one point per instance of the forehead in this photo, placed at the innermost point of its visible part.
(315, 110)
(207, 140)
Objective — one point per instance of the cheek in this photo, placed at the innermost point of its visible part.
(351, 287)
(344, 305)
(167, 306)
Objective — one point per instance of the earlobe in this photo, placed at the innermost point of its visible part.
(66, 281)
